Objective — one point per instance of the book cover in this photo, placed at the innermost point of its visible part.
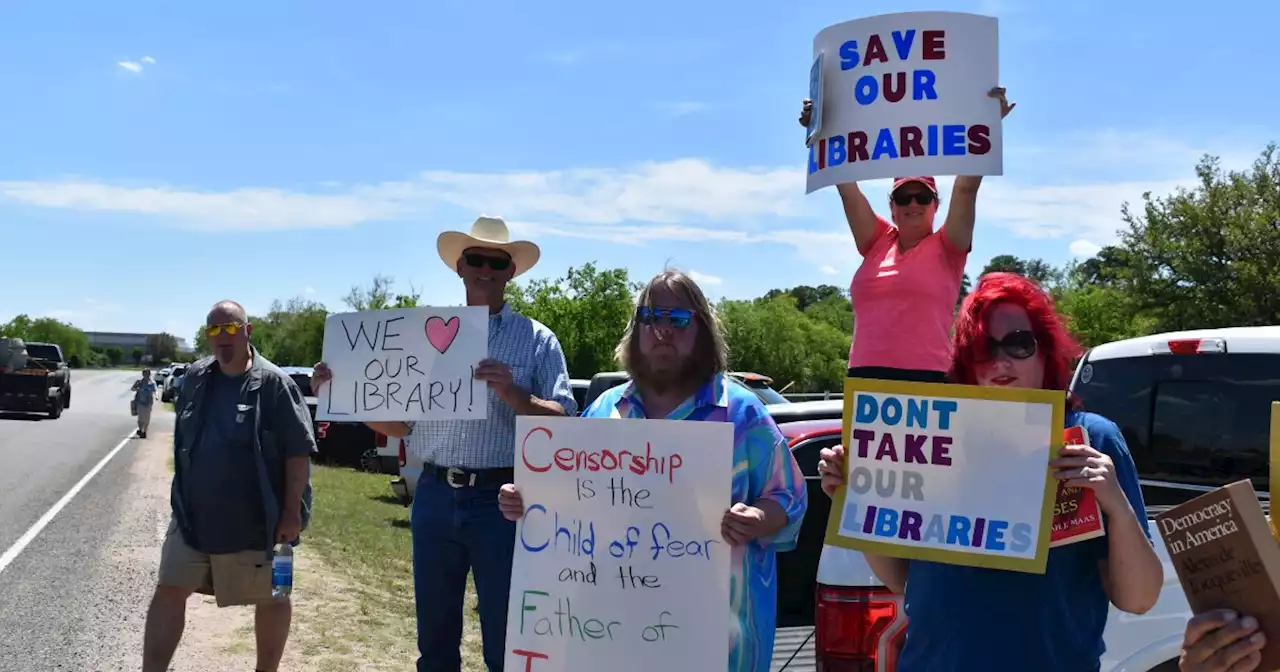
(1076, 514)
(1220, 544)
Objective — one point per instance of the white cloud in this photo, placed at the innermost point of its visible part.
(309, 290)
(705, 279)
(686, 199)
(136, 66)
(1084, 248)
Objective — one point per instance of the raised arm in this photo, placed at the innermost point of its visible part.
(863, 222)
(963, 210)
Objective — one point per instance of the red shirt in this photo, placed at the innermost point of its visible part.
(904, 302)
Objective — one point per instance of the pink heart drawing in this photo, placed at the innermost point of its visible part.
(441, 333)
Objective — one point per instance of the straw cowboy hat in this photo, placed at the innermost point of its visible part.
(489, 233)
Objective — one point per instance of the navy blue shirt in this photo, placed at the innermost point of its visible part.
(969, 618)
(225, 502)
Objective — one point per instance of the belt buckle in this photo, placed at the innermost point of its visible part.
(454, 471)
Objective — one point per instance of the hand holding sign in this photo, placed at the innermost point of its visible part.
(498, 376)
(831, 468)
(741, 524)
(1086, 467)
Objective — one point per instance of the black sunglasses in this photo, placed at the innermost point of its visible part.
(920, 197)
(479, 261)
(676, 317)
(1015, 344)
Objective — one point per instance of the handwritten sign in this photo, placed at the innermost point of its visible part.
(907, 95)
(950, 473)
(619, 563)
(404, 364)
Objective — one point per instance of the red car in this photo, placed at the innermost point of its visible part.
(829, 628)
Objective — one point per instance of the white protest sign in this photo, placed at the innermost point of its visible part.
(906, 94)
(405, 364)
(949, 473)
(619, 563)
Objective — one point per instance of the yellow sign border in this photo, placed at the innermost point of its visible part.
(1035, 565)
(1275, 464)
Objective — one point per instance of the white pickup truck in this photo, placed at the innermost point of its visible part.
(1194, 408)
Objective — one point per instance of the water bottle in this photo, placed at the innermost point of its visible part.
(282, 571)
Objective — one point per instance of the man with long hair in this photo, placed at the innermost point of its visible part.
(674, 350)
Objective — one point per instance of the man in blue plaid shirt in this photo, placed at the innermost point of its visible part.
(455, 518)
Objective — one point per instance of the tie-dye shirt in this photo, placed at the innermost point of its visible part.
(763, 468)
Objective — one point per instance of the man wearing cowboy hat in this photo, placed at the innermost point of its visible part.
(455, 519)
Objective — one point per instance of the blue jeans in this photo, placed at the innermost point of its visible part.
(455, 530)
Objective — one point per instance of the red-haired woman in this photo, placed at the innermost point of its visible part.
(969, 618)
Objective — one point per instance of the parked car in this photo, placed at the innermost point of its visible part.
(1194, 408)
(172, 378)
(34, 377)
(580, 387)
(351, 444)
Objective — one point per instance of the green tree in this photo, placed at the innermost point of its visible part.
(48, 330)
(115, 355)
(816, 342)
(162, 347)
(380, 295)
(291, 333)
(588, 309)
(137, 355)
(1208, 256)
(1037, 269)
(966, 286)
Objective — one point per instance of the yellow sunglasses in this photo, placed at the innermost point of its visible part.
(232, 328)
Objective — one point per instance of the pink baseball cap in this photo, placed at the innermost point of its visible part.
(926, 180)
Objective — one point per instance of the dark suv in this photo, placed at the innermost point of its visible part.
(1194, 406)
(351, 444)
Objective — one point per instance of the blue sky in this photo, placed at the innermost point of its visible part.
(161, 156)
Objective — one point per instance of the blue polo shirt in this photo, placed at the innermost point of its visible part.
(969, 619)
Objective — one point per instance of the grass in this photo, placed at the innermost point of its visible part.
(361, 535)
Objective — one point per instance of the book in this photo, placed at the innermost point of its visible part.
(1220, 544)
(1076, 514)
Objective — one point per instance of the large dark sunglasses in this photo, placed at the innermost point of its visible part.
(1015, 344)
(479, 261)
(676, 317)
(920, 197)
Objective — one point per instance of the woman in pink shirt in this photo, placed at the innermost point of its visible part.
(904, 292)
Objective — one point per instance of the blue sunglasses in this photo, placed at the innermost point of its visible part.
(676, 317)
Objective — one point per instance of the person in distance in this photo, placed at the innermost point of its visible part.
(455, 521)
(905, 289)
(1222, 641)
(1008, 334)
(144, 397)
(674, 350)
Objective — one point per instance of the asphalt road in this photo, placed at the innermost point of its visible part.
(74, 597)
